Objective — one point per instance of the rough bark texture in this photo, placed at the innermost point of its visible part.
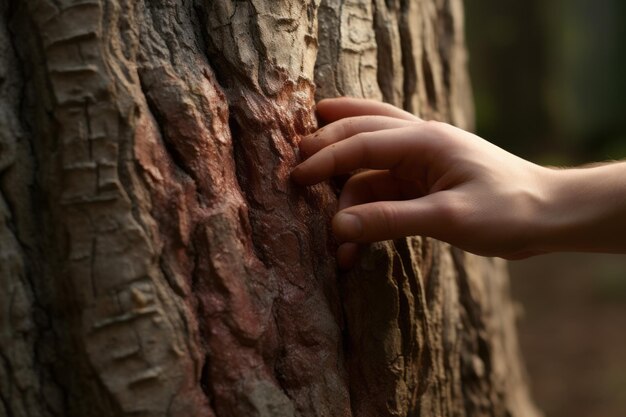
(155, 259)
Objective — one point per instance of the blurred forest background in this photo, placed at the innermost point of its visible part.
(550, 85)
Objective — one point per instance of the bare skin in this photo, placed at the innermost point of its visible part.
(433, 179)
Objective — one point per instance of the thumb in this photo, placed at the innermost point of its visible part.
(384, 220)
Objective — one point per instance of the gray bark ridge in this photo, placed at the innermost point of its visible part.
(156, 258)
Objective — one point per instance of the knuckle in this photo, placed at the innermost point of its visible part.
(436, 128)
(349, 126)
(334, 163)
(343, 128)
(361, 144)
(360, 136)
(388, 219)
(453, 211)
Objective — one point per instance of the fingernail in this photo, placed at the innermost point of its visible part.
(348, 226)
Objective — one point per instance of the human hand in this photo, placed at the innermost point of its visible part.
(423, 178)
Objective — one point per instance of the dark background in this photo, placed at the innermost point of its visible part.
(549, 81)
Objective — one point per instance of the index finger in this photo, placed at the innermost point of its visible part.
(387, 149)
(345, 128)
(332, 109)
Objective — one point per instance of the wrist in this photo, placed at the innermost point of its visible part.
(584, 210)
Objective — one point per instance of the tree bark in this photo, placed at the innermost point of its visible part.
(156, 260)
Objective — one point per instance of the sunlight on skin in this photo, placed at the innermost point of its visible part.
(433, 179)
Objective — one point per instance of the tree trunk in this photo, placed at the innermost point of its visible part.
(156, 260)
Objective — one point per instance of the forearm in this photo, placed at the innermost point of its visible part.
(585, 210)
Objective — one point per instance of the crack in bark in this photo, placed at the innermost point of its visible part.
(408, 61)
(429, 82)
(19, 189)
(177, 158)
(478, 386)
(241, 171)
